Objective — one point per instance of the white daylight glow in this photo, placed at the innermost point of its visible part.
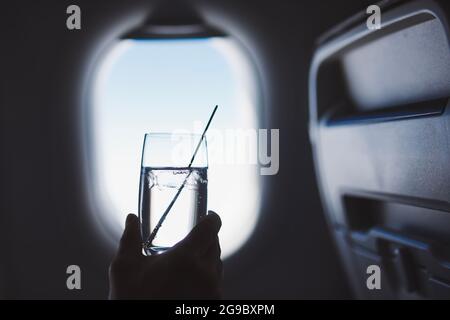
(164, 86)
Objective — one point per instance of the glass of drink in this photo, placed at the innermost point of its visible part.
(173, 188)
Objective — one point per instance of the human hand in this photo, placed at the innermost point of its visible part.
(192, 269)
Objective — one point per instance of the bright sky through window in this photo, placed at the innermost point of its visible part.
(167, 85)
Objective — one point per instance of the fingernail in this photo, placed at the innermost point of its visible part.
(210, 216)
(129, 219)
(216, 218)
(212, 212)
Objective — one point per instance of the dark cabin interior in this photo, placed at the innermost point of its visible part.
(363, 174)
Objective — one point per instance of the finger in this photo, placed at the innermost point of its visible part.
(130, 243)
(212, 258)
(203, 234)
(213, 252)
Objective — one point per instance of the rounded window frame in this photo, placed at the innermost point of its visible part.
(109, 229)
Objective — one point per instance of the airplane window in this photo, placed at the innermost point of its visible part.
(164, 85)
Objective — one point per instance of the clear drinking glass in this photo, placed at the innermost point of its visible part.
(170, 187)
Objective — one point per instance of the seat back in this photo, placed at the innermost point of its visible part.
(380, 130)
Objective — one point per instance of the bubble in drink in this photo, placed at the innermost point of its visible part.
(157, 190)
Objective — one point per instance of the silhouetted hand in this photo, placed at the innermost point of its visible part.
(192, 269)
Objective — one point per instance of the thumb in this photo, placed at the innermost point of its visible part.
(130, 243)
(203, 234)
